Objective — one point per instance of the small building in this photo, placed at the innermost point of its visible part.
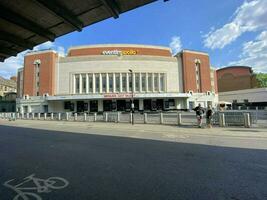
(104, 77)
(7, 86)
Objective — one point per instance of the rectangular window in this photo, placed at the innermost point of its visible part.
(156, 82)
(162, 82)
(83, 83)
(90, 83)
(97, 83)
(130, 81)
(149, 81)
(104, 83)
(77, 83)
(117, 82)
(124, 82)
(143, 75)
(110, 80)
(137, 82)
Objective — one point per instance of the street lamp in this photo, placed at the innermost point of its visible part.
(132, 99)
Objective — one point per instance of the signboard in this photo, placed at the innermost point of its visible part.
(117, 96)
(119, 52)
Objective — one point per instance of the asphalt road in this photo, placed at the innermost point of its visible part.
(105, 167)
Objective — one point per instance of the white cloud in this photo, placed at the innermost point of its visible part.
(254, 54)
(175, 44)
(250, 16)
(10, 66)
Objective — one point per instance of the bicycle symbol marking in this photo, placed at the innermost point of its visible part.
(40, 186)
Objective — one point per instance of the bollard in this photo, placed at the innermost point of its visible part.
(67, 116)
(14, 116)
(161, 118)
(85, 117)
(221, 119)
(33, 116)
(59, 116)
(145, 118)
(179, 119)
(106, 117)
(247, 123)
(95, 114)
(39, 116)
(27, 115)
(131, 117)
(22, 116)
(45, 116)
(118, 117)
(75, 117)
(52, 116)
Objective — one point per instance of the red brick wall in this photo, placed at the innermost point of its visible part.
(47, 73)
(99, 50)
(189, 71)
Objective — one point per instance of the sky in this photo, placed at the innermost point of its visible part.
(232, 32)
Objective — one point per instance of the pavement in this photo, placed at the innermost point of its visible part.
(76, 160)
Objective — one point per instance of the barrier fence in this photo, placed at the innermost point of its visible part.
(227, 118)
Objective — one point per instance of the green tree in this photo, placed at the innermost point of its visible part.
(262, 79)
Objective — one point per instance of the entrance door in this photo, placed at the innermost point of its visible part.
(147, 104)
(107, 105)
(93, 106)
(80, 106)
(159, 103)
(121, 105)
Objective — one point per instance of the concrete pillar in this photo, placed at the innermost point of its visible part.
(100, 105)
(221, 119)
(85, 117)
(247, 122)
(59, 116)
(161, 118)
(33, 116)
(39, 116)
(118, 117)
(18, 115)
(95, 116)
(141, 104)
(179, 119)
(52, 116)
(67, 117)
(75, 117)
(45, 116)
(145, 118)
(27, 115)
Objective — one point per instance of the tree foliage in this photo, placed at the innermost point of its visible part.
(262, 79)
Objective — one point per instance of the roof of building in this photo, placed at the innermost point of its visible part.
(7, 82)
(25, 24)
(231, 67)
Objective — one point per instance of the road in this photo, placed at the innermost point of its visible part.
(120, 168)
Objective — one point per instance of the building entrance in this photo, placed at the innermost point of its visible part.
(107, 105)
(121, 105)
(80, 106)
(93, 106)
(147, 104)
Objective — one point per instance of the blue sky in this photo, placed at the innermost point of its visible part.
(233, 32)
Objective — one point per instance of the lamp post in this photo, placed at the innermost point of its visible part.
(132, 98)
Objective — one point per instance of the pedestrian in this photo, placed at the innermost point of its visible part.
(199, 114)
(209, 114)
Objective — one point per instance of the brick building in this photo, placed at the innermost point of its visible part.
(98, 78)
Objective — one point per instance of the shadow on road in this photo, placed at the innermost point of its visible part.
(106, 167)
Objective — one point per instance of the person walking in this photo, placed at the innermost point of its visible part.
(199, 114)
(209, 114)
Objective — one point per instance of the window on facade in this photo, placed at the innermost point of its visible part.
(156, 82)
(124, 82)
(110, 80)
(77, 83)
(117, 82)
(90, 83)
(162, 82)
(149, 82)
(97, 83)
(104, 83)
(130, 81)
(137, 82)
(83, 83)
(143, 75)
